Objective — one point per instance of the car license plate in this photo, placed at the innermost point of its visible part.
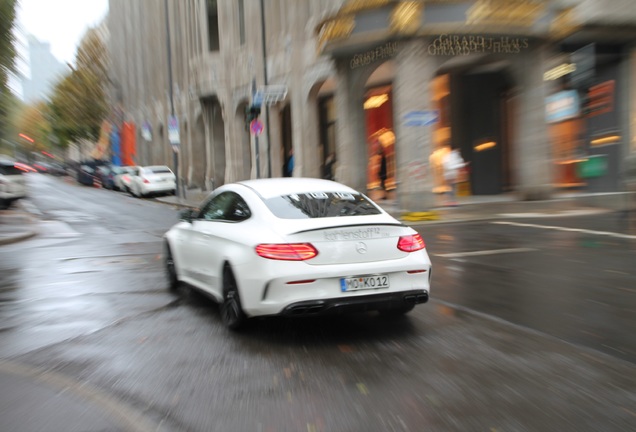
(364, 283)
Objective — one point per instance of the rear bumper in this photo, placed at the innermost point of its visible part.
(365, 303)
(158, 187)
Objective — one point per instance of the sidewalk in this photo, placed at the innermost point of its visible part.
(474, 208)
(16, 225)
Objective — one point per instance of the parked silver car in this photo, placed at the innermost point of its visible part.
(12, 183)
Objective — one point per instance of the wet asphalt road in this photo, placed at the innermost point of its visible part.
(531, 331)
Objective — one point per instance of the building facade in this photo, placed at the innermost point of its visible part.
(383, 83)
(44, 71)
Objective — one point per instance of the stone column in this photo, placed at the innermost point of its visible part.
(351, 152)
(532, 155)
(413, 146)
(310, 139)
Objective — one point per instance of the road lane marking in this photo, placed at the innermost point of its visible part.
(484, 252)
(558, 228)
(561, 213)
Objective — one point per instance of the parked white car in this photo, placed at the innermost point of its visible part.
(297, 247)
(12, 183)
(120, 181)
(152, 180)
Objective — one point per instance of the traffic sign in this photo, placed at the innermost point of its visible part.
(173, 132)
(421, 118)
(257, 98)
(256, 127)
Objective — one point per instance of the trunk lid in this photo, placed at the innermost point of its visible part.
(343, 242)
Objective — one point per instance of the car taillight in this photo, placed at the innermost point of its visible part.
(146, 181)
(287, 251)
(411, 243)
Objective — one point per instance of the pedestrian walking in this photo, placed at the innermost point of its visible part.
(288, 169)
(452, 164)
(328, 168)
(382, 171)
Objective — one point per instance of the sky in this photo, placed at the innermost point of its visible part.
(62, 23)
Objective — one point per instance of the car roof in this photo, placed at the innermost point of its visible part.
(273, 187)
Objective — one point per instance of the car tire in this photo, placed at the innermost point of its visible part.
(171, 268)
(231, 310)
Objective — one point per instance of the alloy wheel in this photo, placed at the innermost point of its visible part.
(171, 271)
(231, 311)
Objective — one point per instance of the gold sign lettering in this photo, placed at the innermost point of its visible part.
(456, 45)
(382, 52)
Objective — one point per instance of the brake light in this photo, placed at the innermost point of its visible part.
(287, 252)
(146, 181)
(411, 243)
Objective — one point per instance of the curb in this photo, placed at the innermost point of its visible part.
(414, 218)
(178, 204)
(118, 412)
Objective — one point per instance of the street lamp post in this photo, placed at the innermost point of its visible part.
(175, 150)
(265, 82)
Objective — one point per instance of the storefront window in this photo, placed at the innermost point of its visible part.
(380, 142)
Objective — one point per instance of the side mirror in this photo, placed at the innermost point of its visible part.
(187, 215)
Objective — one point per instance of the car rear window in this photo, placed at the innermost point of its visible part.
(160, 170)
(6, 169)
(321, 204)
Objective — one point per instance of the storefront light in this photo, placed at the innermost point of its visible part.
(485, 146)
(571, 161)
(606, 140)
(376, 101)
(559, 71)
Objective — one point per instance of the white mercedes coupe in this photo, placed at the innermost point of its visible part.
(296, 247)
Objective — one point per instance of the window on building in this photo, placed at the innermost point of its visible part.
(213, 25)
(241, 11)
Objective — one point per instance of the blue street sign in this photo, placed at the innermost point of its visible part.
(257, 98)
(561, 106)
(421, 118)
(173, 132)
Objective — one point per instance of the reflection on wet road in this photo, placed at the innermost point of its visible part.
(87, 299)
(564, 277)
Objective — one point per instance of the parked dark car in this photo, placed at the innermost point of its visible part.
(86, 175)
(56, 169)
(41, 167)
(106, 174)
